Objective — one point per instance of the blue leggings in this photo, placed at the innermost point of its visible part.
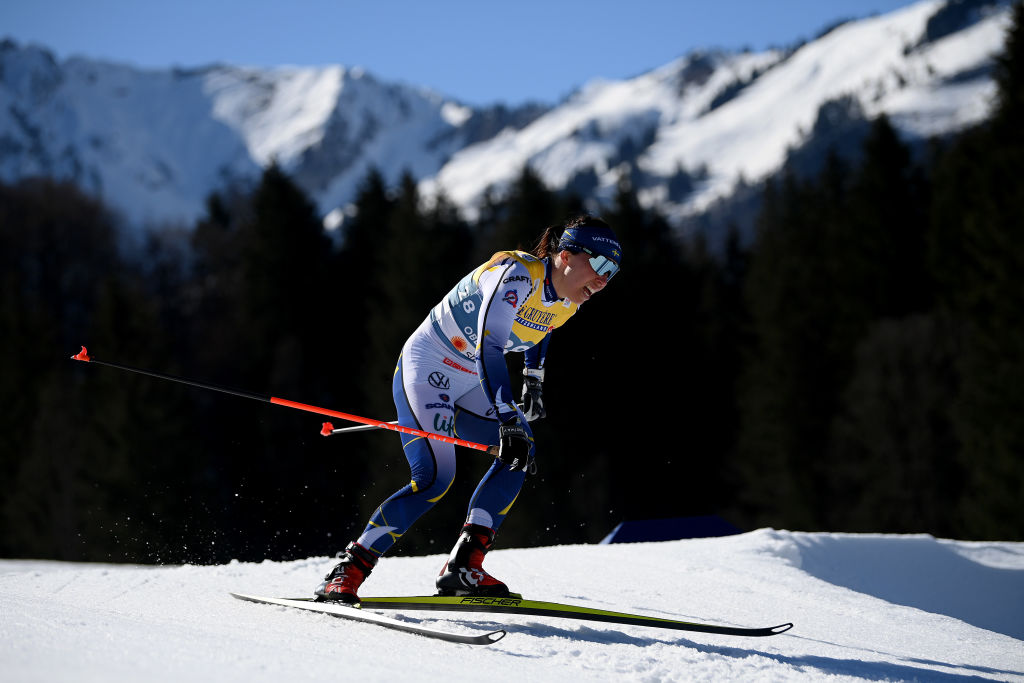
(438, 393)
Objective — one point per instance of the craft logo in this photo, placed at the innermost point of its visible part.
(438, 380)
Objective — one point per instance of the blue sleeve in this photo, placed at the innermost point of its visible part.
(503, 288)
(535, 355)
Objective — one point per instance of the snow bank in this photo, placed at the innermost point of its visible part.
(865, 607)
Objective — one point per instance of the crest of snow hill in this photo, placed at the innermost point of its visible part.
(153, 144)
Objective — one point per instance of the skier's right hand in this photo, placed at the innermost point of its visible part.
(516, 446)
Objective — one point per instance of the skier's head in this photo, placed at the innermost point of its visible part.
(595, 238)
(585, 254)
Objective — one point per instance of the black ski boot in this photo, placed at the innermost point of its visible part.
(344, 580)
(463, 573)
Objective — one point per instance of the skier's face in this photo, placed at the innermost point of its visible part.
(579, 282)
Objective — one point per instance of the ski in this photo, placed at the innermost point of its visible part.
(356, 614)
(515, 604)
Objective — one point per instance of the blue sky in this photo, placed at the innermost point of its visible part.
(478, 51)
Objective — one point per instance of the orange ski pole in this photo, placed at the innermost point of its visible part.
(83, 355)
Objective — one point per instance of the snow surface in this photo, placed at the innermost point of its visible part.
(865, 607)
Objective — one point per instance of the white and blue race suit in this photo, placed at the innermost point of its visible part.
(452, 379)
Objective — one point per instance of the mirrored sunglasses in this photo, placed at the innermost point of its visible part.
(602, 265)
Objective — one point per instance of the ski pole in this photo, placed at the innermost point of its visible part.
(328, 429)
(83, 355)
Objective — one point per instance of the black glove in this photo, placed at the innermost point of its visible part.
(533, 403)
(515, 447)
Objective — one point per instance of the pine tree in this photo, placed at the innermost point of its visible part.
(357, 270)
(284, 269)
(529, 207)
(87, 445)
(590, 377)
(879, 289)
(893, 455)
(977, 254)
(784, 398)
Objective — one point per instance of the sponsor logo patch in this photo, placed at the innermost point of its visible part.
(483, 600)
(451, 363)
(537, 316)
(471, 576)
(443, 425)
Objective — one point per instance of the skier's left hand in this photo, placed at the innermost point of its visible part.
(533, 403)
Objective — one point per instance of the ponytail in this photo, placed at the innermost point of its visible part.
(548, 242)
(547, 245)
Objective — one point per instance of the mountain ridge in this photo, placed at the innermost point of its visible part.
(153, 144)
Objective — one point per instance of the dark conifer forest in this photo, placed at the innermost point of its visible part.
(857, 364)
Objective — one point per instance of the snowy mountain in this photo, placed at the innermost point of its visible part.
(710, 120)
(154, 144)
(864, 608)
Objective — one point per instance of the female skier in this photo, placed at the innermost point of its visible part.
(452, 379)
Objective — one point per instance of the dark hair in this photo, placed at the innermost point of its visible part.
(548, 242)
